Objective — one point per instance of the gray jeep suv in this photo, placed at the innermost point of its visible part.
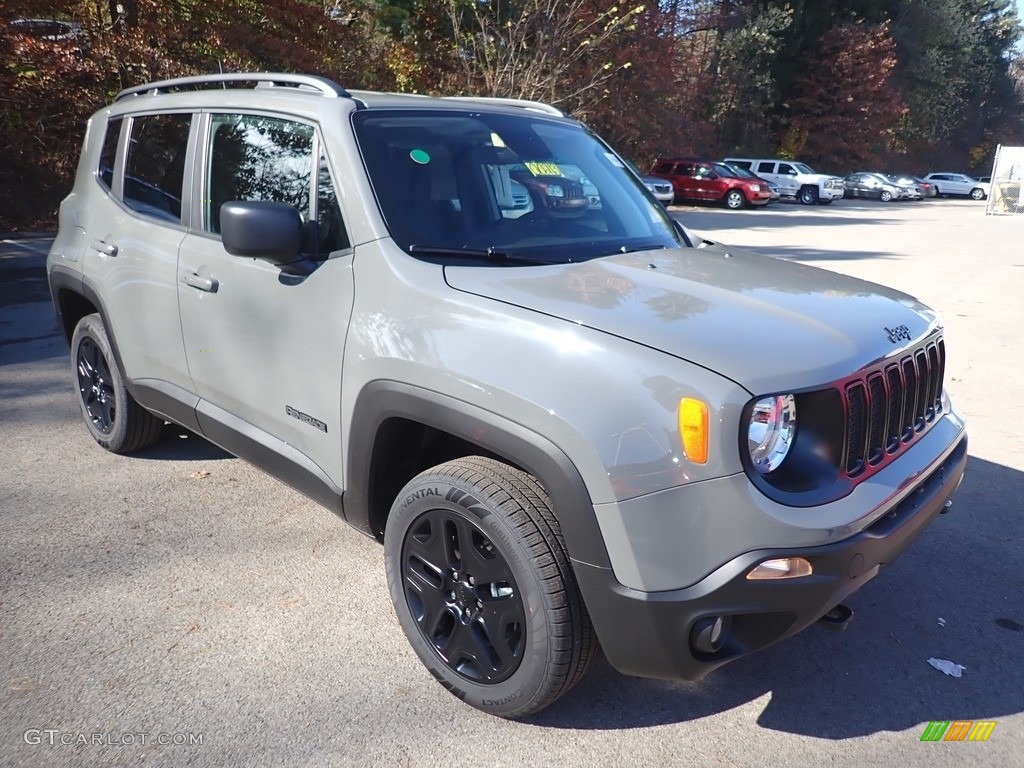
(470, 331)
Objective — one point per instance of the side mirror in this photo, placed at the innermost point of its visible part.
(261, 229)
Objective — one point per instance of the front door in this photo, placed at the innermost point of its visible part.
(265, 344)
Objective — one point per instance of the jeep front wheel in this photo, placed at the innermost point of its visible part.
(483, 588)
(734, 199)
(808, 195)
(977, 194)
(113, 418)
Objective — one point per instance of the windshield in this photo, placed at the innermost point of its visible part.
(520, 186)
(742, 173)
(727, 171)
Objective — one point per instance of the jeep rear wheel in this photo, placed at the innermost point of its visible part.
(808, 195)
(113, 418)
(483, 588)
(734, 199)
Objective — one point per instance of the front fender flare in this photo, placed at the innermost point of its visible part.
(381, 400)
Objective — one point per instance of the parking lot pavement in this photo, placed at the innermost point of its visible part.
(180, 607)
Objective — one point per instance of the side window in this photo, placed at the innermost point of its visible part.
(330, 229)
(787, 169)
(252, 157)
(703, 172)
(685, 169)
(155, 165)
(663, 168)
(766, 167)
(108, 153)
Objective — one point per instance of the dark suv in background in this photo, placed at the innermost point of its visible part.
(707, 180)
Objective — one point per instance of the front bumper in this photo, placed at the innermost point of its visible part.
(648, 634)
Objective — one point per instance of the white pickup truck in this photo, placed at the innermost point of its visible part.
(795, 180)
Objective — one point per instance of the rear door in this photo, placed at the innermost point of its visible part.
(265, 344)
(685, 179)
(766, 169)
(133, 230)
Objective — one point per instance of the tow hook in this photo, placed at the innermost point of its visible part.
(837, 619)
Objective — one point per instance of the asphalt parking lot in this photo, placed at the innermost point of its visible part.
(180, 607)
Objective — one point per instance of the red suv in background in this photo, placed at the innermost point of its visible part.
(710, 180)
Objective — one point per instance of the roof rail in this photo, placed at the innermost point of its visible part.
(537, 106)
(326, 87)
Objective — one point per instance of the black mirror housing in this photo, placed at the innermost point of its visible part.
(261, 229)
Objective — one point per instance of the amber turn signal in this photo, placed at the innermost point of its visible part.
(693, 429)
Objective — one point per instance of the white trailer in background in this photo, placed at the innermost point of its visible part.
(1007, 193)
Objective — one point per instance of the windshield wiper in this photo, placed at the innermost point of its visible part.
(626, 249)
(488, 254)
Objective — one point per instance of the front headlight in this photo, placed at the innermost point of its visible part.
(771, 431)
(755, 187)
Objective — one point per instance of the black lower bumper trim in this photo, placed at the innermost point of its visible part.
(647, 634)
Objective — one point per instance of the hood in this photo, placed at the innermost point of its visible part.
(769, 325)
(817, 178)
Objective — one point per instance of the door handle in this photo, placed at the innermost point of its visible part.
(107, 249)
(207, 284)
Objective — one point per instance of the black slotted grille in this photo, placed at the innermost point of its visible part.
(894, 423)
(887, 406)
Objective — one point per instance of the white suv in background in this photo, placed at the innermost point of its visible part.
(958, 184)
(795, 180)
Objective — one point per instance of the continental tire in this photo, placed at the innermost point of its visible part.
(483, 588)
(734, 200)
(112, 416)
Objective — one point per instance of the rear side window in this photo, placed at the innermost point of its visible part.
(108, 153)
(766, 168)
(155, 165)
(252, 158)
(663, 168)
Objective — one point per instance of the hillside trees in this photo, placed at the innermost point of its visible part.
(849, 94)
(911, 83)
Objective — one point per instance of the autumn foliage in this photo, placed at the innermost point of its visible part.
(849, 93)
(844, 84)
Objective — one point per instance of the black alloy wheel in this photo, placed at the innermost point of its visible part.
(464, 597)
(114, 419)
(95, 387)
(483, 588)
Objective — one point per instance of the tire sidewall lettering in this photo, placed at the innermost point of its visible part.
(517, 690)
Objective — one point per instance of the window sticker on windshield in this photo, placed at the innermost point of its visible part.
(543, 169)
(419, 156)
(614, 160)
